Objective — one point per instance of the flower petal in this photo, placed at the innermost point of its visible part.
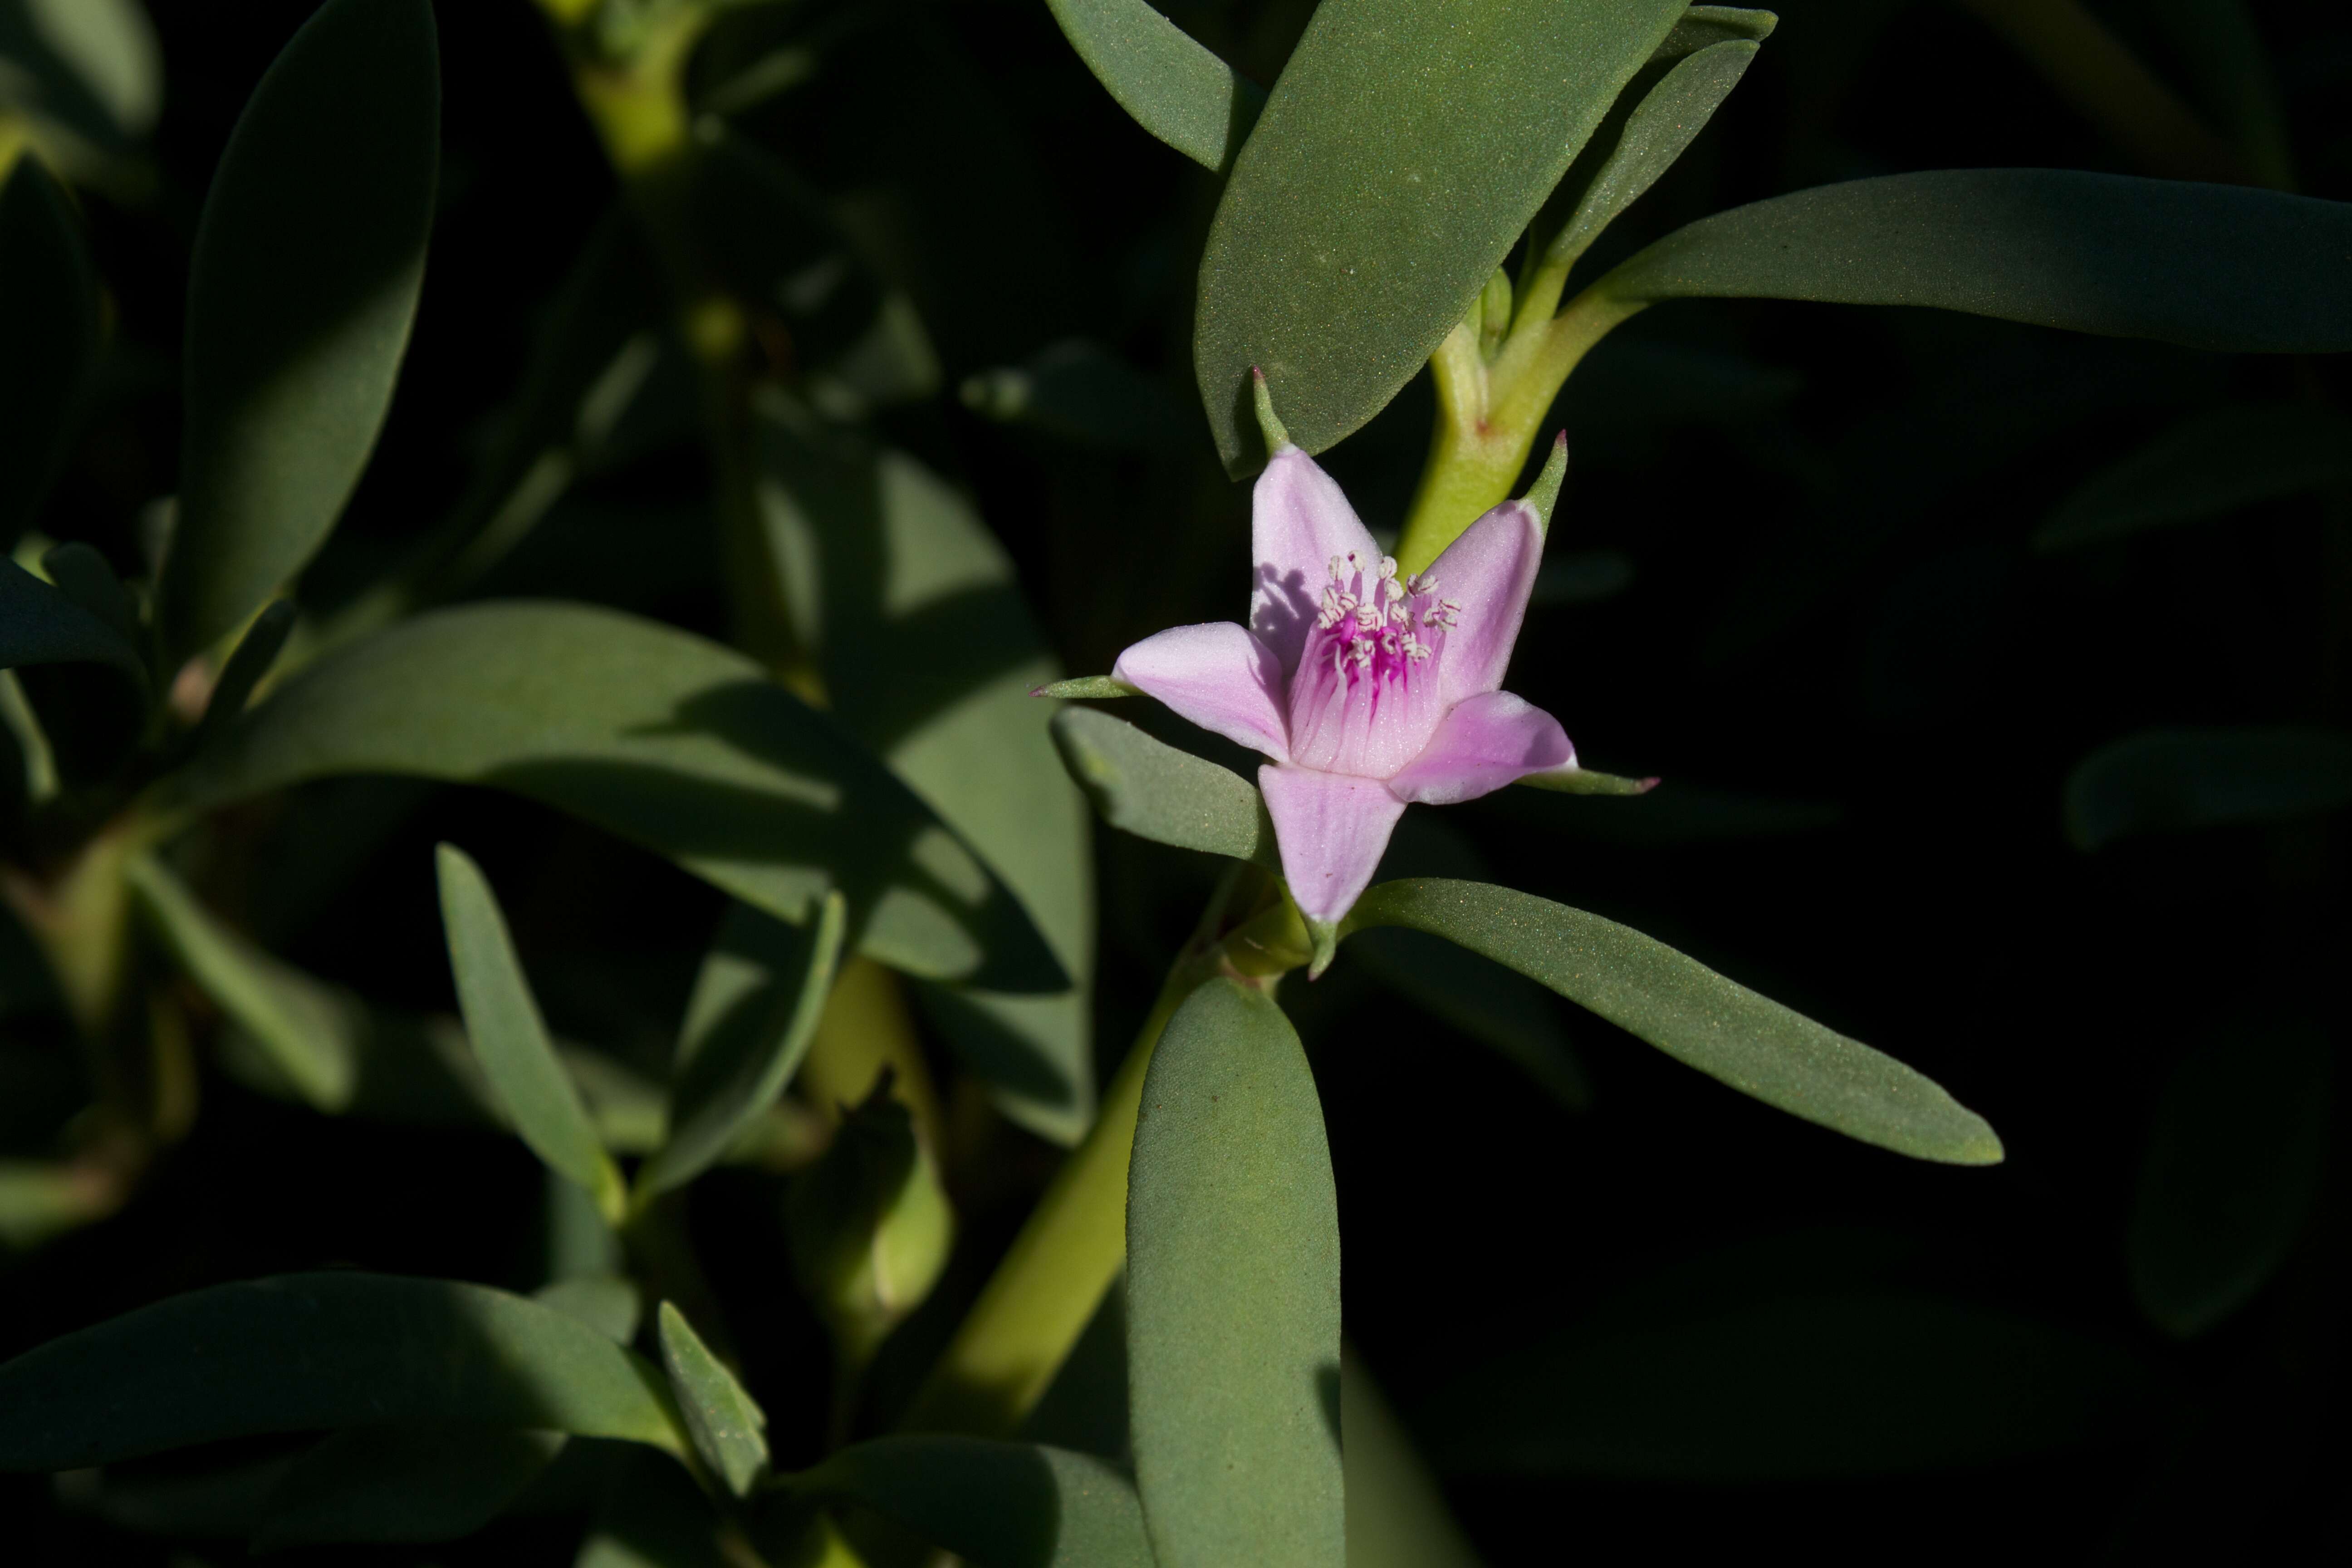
(1486, 743)
(1299, 520)
(1331, 828)
(1217, 675)
(1489, 572)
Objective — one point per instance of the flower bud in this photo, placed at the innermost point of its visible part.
(868, 1224)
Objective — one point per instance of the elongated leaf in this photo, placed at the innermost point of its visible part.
(401, 1483)
(1174, 87)
(308, 264)
(1398, 159)
(929, 653)
(289, 1017)
(2233, 1167)
(1232, 1289)
(661, 737)
(1631, 150)
(256, 652)
(723, 1420)
(1693, 1015)
(747, 1029)
(90, 66)
(1152, 790)
(510, 1040)
(373, 1349)
(2209, 267)
(2165, 780)
(606, 1303)
(1803, 1385)
(2208, 465)
(49, 340)
(40, 625)
(995, 1505)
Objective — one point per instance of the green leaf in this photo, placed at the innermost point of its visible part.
(1585, 781)
(1174, 87)
(372, 1350)
(650, 1515)
(723, 1420)
(748, 1025)
(1693, 1015)
(308, 264)
(2208, 465)
(2233, 1167)
(2208, 267)
(1099, 688)
(2164, 781)
(510, 1041)
(995, 1505)
(293, 1019)
(49, 340)
(400, 1483)
(40, 625)
(930, 654)
(1402, 152)
(256, 652)
(1807, 1384)
(91, 66)
(1641, 142)
(675, 742)
(1152, 790)
(1232, 1291)
(606, 1303)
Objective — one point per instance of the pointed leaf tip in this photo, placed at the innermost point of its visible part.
(1097, 686)
(1544, 494)
(1276, 437)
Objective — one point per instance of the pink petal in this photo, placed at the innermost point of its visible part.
(1486, 743)
(1299, 520)
(1489, 571)
(1217, 675)
(1331, 828)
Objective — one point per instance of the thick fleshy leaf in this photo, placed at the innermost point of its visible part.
(607, 1303)
(1644, 134)
(2209, 267)
(723, 1420)
(1826, 1385)
(403, 1483)
(1331, 829)
(1219, 676)
(309, 260)
(1174, 87)
(40, 625)
(929, 653)
(2208, 465)
(2233, 1168)
(510, 1039)
(373, 1350)
(294, 1020)
(1483, 744)
(1232, 1289)
(1693, 1015)
(753, 1013)
(49, 340)
(1150, 789)
(2165, 780)
(681, 745)
(1400, 156)
(994, 1505)
(92, 66)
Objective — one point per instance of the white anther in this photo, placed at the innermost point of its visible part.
(1335, 569)
(1399, 615)
(1369, 615)
(1392, 589)
(1388, 568)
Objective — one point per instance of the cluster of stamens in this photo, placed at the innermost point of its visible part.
(1380, 618)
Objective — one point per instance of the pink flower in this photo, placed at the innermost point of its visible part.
(1367, 690)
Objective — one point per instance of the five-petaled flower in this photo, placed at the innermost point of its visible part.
(1367, 689)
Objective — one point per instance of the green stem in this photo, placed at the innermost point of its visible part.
(1489, 415)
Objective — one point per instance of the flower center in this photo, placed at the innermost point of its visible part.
(1364, 699)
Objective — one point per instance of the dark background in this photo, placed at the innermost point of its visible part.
(1863, 687)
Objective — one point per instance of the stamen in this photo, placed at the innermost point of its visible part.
(1388, 568)
(1369, 615)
